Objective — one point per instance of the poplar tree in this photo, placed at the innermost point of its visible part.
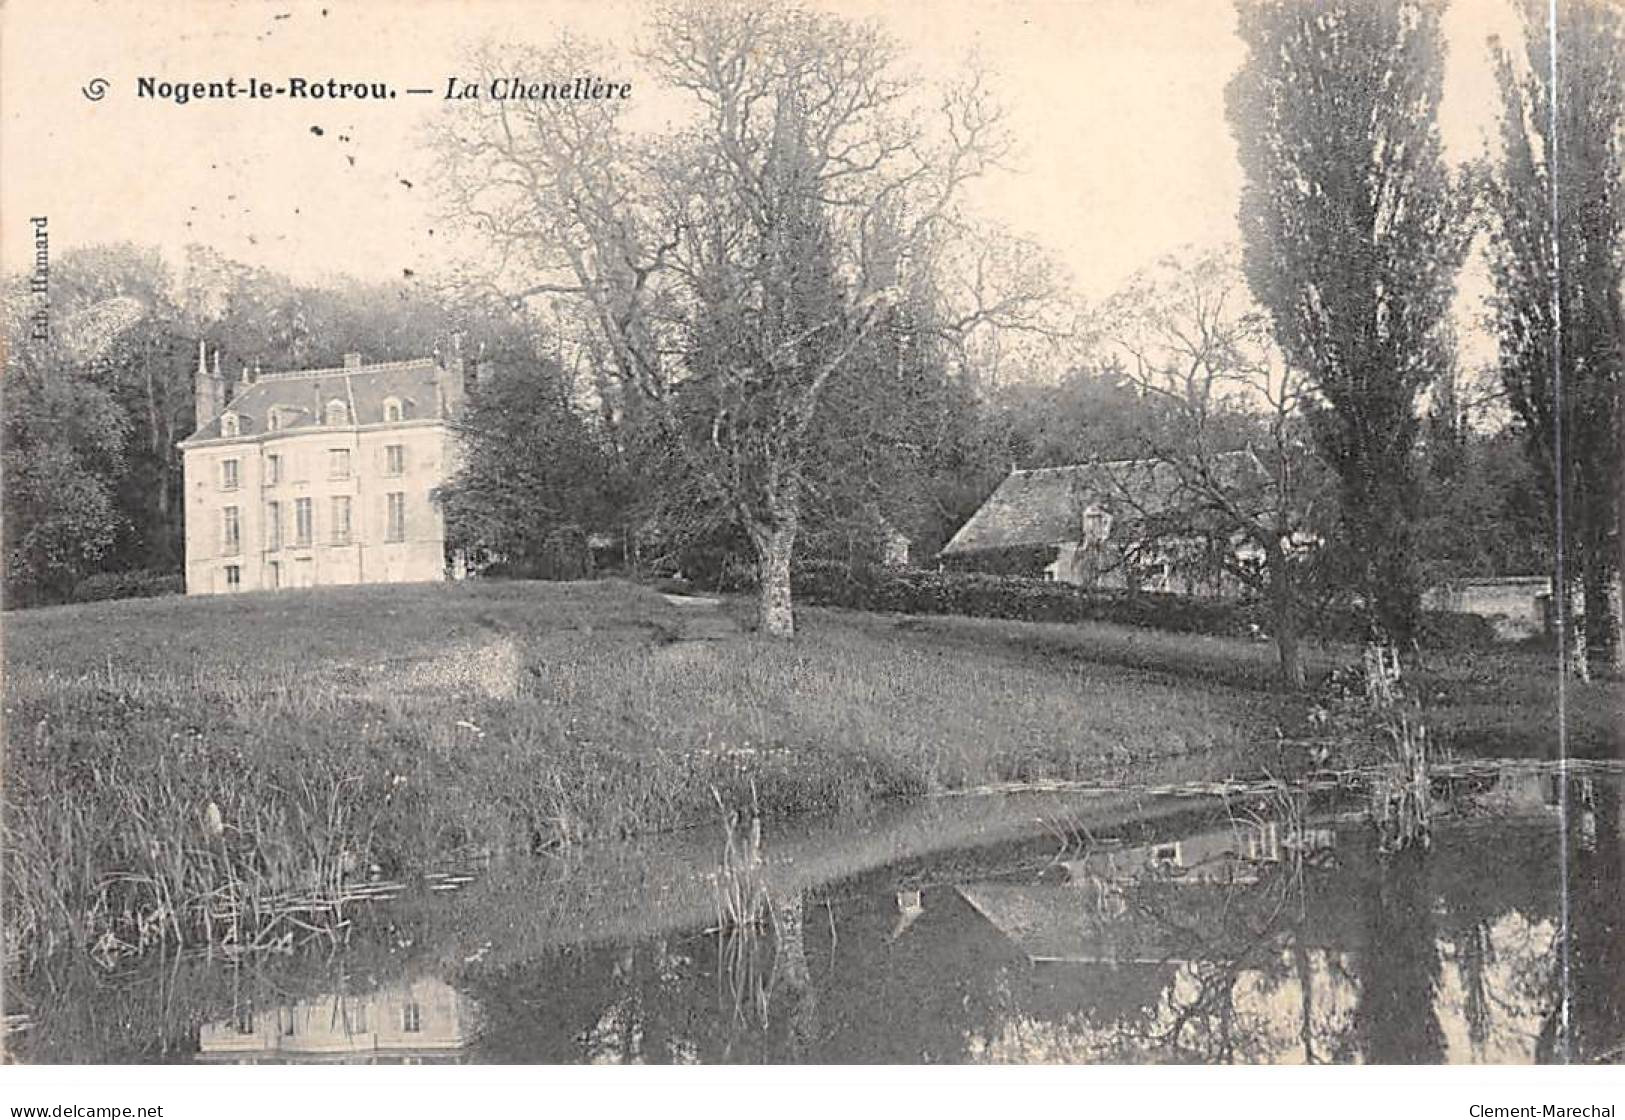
(1353, 231)
(1557, 302)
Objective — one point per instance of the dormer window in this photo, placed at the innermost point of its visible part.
(338, 413)
(1097, 525)
(228, 424)
(273, 420)
(392, 410)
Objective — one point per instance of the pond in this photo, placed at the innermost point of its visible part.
(1199, 924)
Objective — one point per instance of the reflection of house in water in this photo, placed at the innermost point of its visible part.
(1202, 938)
(424, 1020)
(1529, 792)
(1230, 949)
(1088, 920)
(1235, 854)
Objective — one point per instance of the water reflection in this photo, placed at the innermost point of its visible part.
(1590, 1024)
(1256, 939)
(424, 1019)
(1263, 928)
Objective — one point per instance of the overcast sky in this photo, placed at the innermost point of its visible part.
(1118, 106)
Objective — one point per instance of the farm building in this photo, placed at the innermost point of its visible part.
(1129, 523)
(1518, 606)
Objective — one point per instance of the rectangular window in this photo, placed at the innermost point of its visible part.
(341, 519)
(231, 534)
(395, 524)
(338, 463)
(234, 577)
(273, 469)
(301, 523)
(273, 526)
(412, 1018)
(229, 473)
(274, 575)
(394, 460)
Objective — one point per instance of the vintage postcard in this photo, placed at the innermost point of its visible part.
(812, 532)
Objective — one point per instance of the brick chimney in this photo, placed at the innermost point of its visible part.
(451, 380)
(206, 388)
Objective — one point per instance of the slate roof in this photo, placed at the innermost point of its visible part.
(1045, 506)
(300, 396)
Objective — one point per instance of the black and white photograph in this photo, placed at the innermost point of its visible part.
(864, 534)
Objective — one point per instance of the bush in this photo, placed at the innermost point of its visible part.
(141, 583)
(1022, 598)
(563, 554)
(1456, 630)
(1025, 599)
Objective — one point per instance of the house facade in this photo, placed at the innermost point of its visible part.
(319, 477)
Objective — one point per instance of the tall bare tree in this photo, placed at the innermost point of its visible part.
(1226, 420)
(726, 272)
(1558, 256)
(1354, 230)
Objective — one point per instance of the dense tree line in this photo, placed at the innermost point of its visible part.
(93, 476)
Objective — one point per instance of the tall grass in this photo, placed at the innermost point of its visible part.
(116, 847)
(1401, 796)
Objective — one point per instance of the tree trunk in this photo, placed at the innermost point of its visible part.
(1601, 623)
(774, 545)
(1306, 996)
(1284, 611)
(1394, 598)
(790, 960)
(1568, 625)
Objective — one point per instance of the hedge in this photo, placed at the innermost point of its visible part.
(1025, 599)
(140, 583)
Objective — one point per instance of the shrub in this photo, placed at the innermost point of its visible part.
(1021, 598)
(562, 554)
(1456, 630)
(141, 583)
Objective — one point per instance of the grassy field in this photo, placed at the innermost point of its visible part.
(1504, 703)
(180, 769)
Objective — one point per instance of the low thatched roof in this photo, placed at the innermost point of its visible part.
(1046, 506)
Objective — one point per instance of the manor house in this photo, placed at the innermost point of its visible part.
(318, 477)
